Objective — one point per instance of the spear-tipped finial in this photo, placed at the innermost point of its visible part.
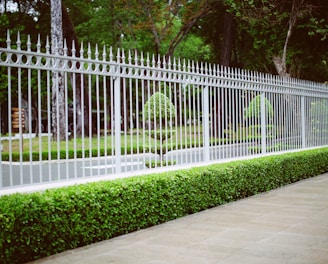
(38, 45)
(73, 48)
(47, 45)
(65, 48)
(28, 44)
(18, 42)
(8, 39)
(81, 50)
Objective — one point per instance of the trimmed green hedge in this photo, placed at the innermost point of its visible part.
(39, 224)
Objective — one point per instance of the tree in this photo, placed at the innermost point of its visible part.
(58, 90)
(161, 18)
(227, 42)
(156, 27)
(160, 112)
(158, 109)
(277, 31)
(299, 9)
(254, 109)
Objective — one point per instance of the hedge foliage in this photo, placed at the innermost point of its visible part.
(39, 224)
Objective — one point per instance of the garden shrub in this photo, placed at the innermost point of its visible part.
(158, 108)
(254, 108)
(35, 225)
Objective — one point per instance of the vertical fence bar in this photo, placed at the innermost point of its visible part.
(172, 124)
(105, 121)
(49, 107)
(76, 115)
(238, 138)
(124, 111)
(67, 176)
(98, 109)
(39, 109)
(176, 119)
(233, 117)
(29, 110)
(214, 121)
(89, 106)
(185, 109)
(324, 122)
(10, 127)
(81, 65)
(148, 119)
(230, 114)
(303, 138)
(226, 103)
(143, 117)
(278, 120)
(206, 125)
(317, 122)
(131, 125)
(112, 123)
(20, 116)
(104, 93)
(263, 122)
(55, 90)
(117, 118)
(180, 102)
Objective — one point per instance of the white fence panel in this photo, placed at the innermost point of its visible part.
(130, 112)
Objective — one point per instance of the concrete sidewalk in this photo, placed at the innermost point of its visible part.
(287, 225)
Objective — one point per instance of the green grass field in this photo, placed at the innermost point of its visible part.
(133, 141)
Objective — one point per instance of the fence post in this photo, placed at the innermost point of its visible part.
(117, 117)
(303, 121)
(263, 123)
(206, 125)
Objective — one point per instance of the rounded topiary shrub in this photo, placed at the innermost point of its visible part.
(254, 108)
(159, 109)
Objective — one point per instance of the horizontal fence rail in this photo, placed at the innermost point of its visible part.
(72, 114)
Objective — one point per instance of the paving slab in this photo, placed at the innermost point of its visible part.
(287, 225)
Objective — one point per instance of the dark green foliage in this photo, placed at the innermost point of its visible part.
(39, 224)
(159, 108)
(254, 108)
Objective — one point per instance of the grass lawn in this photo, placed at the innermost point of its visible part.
(133, 141)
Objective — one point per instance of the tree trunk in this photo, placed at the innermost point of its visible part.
(222, 110)
(280, 62)
(228, 32)
(58, 90)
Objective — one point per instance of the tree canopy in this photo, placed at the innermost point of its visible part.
(252, 34)
(280, 35)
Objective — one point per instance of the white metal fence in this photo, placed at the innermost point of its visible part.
(128, 112)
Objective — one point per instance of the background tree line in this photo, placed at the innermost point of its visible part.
(251, 34)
